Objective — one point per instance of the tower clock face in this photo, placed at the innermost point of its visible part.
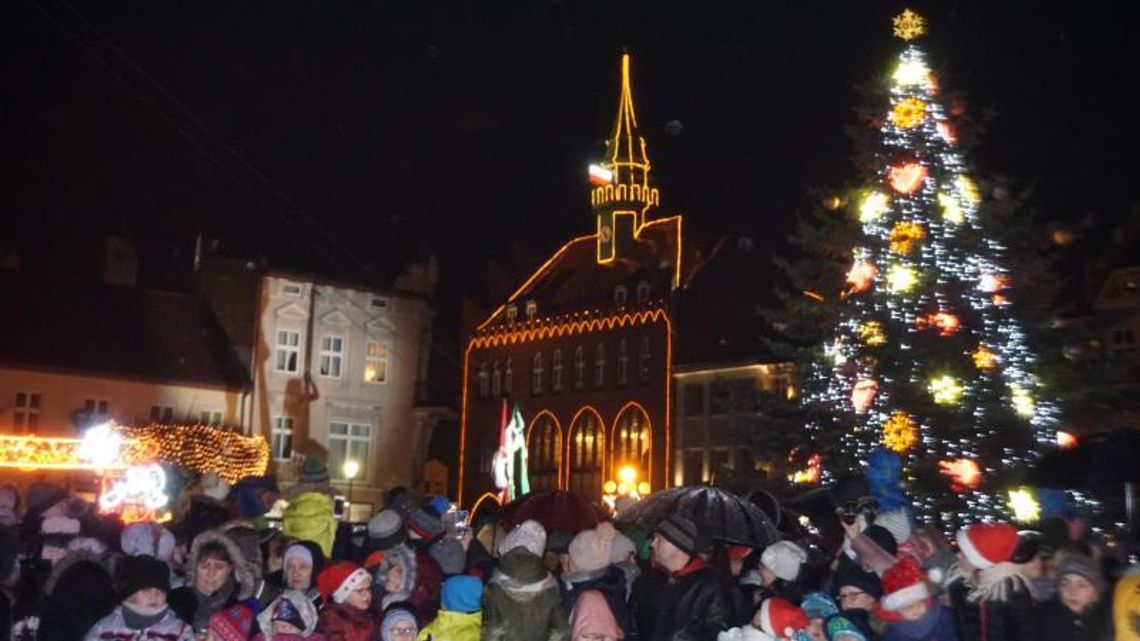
(607, 233)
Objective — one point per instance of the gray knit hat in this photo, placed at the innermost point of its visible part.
(386, 530)
(1081, 565)
(683, 533)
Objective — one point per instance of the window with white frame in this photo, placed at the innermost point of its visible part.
(484, 381)
(281, 439)
(600, 365)
(211, 417)
(579, 368)
(642, 291)
(496, 380)
(26, 411)
(536, 374)
(643, 360)
(376, 362)
(349, 442)
(332, 355)
(621, 294)
(161, 413)
(556, 371)
(623, 363)
(287, 354)
(508, 377)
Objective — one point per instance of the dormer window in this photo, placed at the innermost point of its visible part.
(512, 313)
(642, 291)
(531, 309)
(291, 289)
(620, 295)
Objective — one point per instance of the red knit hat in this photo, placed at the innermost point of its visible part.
(904, 584)
(987, 544)
(234, 623)
(338, 580)
(780, 619)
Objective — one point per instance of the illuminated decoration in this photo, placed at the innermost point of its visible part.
(908, 25)
(984, 359)
(137, 494)
(951, 209)
(863, 394)
(874, 206)
(509, 464)
(905, 235)
(813, 295)
(907, 177)
(1024, 505)
(1062, 237)
(202, 448)
(946, 132)
(900, 432)
(599, 175)
(832, 203)
(861, 276)
(964, 473)
(1022, 401)
(871, 333)
(31, 453)
(945, 389)
(1066, 440)
(969, 190)
(810, 474)
(911, 72)
(901, 279)
(990, 283)
(945, 322)
(909, 113)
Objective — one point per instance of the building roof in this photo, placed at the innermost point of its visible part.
(115, 332)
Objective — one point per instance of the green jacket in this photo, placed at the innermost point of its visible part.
(453, 626)
(522, 603)
(309, 517)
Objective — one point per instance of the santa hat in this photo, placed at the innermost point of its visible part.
(784, 559)
(530, 535)
(904, 584)
(590, 549)
(987, 544)
(339, 580)
(780, 619)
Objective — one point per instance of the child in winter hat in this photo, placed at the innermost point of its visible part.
(783, 560)
(981, 546)
(591, 619)
(142, 584)
(338, 581)
(591, 550)
(289, 617)
(399, 624)
(920, 617)
(529, 534)
(460, 618)
(346, 590)
(779, 619)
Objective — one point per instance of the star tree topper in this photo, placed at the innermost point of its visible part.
(908, 25)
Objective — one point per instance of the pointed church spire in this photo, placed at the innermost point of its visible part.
(622, 195)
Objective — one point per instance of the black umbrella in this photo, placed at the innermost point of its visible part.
(721, 515)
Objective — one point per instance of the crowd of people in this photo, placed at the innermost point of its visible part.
(221, 572)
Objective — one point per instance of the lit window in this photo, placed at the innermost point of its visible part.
(332, 355)
(600, 365)
(161, 414)
(282, 438)
(508, 377)
(484, 381)
(26, 413)
(496, 380)
(579, 368)
(620, 295)
(290, 289)
(531, 309)
(623, 363)
(643, 359)
(642, 292)
(211, 417)
(556, 371)
(512, 313)
(288, 351)
(349, 442)
(376, 362)
(536, 378)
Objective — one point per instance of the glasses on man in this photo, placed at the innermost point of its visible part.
(403, 631)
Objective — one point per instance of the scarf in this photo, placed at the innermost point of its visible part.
(138, 617)
(994, 583)
(209, 604)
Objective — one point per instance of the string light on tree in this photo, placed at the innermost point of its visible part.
(909, 112)
(905, 236)
(874, 205)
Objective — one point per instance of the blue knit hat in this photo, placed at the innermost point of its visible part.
(462, 593)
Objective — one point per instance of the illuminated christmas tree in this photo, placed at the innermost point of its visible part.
(926, 358)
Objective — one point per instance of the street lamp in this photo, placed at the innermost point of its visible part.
(351, 469)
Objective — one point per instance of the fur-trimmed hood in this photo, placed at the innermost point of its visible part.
(242, 575)
(107, 562)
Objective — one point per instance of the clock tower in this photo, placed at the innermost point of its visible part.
(621, 194)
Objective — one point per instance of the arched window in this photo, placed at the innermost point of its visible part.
(496, 380)
(642, 291)
(632, 441)
(620, 295)
(600, 365)
(556, 371)
(623, 363)
(508, 377)
(643, 360)
(484, 381)
(579, 368)
(544, 453)
(587, 440)
(536, 374)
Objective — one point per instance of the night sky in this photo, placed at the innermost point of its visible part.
(348, 136)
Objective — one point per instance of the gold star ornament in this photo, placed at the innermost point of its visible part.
(908, 25)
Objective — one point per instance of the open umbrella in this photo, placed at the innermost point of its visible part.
(556, 510)
(721, 515)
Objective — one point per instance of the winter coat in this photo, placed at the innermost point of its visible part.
(592, 616)
(77, 593)
(453, 626)
(1126, 607)
(113, 627)
(936, 625)
(689, 605)
(309, 517)
(522, 603)
(610, 582)
(340, 622)
(1058, 623)
(195, 608)
(999, 609)
(422, 580)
